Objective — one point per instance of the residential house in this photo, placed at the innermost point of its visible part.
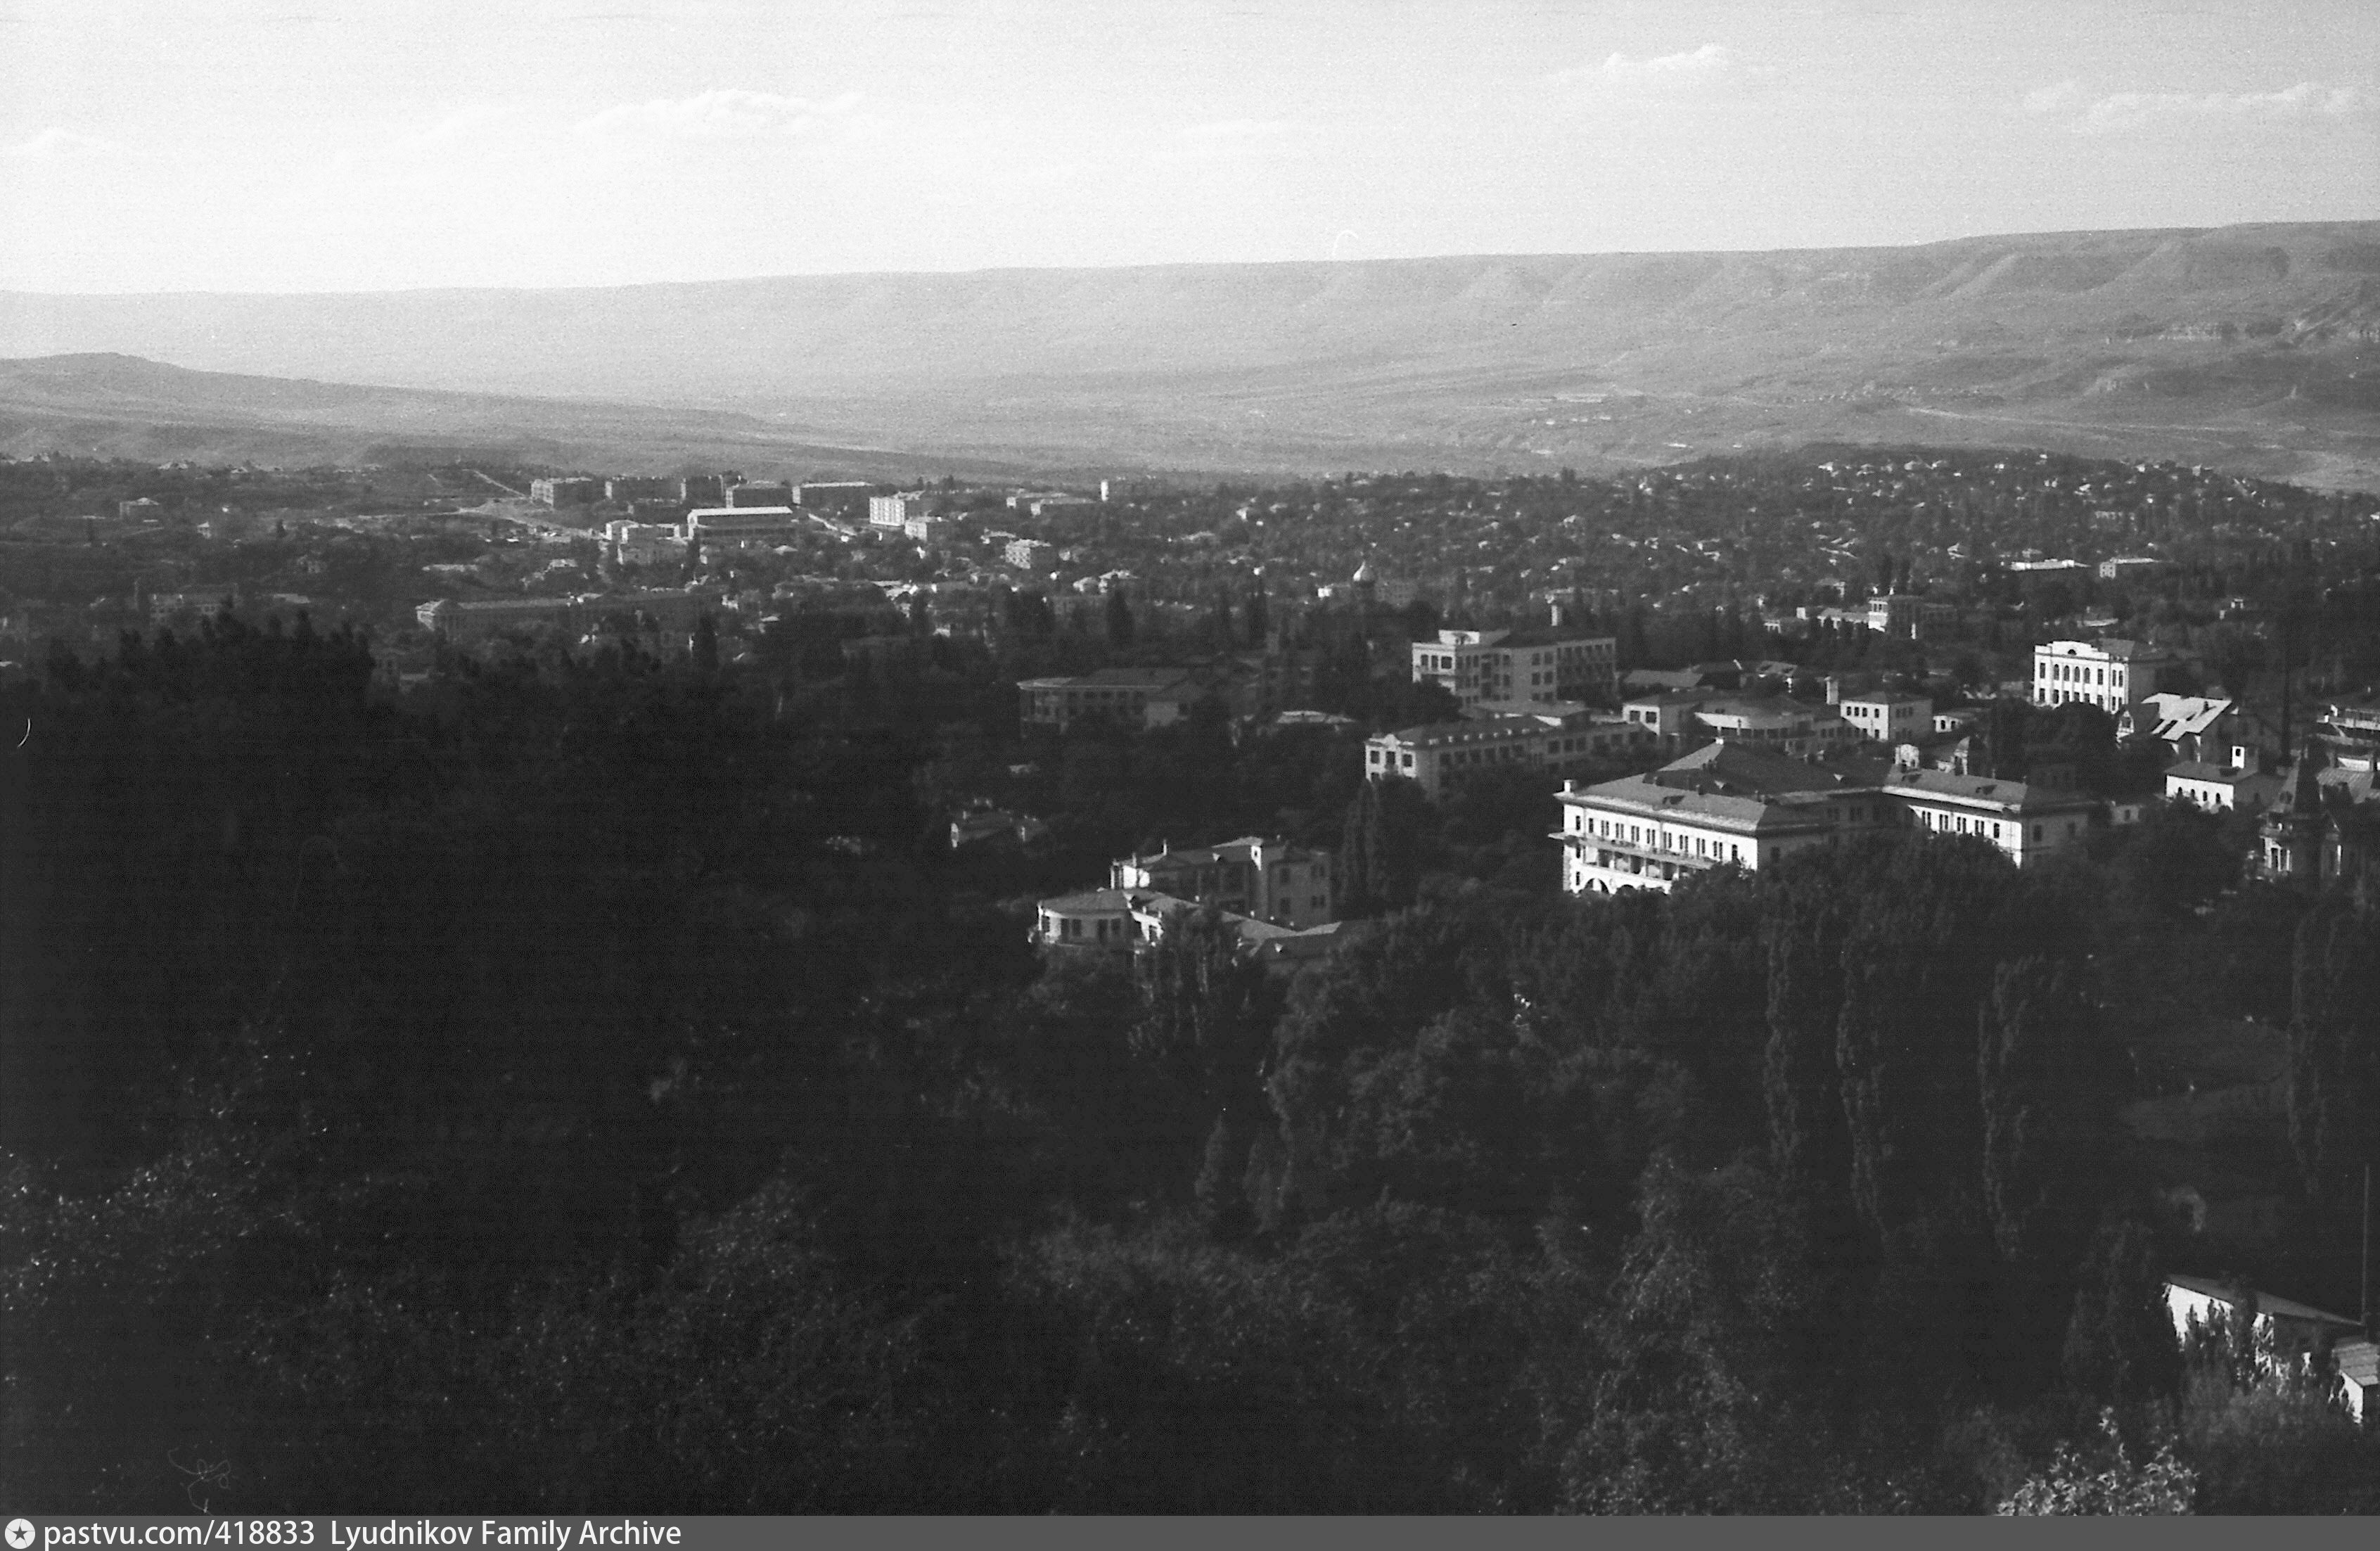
(2207, 729)
(1267, 879)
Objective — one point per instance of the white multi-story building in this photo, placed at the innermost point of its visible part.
(1888, 718)
(2112, 674)
(1030, 554)
(1430, 757)
(2026, 823)
(1729, 805)
(739, 526)
(893, 512)
(1722, 806)
(1503, 665)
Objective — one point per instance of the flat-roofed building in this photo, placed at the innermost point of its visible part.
(478, 616)
(1888, 718)
(1435, 756)
(841, 498)
(566, 491)
(771, 493)
(893, 512)
(2111, 673)
(1506, 666)
(740, 526)
(1132, 697)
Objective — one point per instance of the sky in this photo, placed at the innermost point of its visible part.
(307, 145)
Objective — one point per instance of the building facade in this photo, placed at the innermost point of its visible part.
(1687, 718)
(1139, 697)
(565, 493)
(739, 526)
(1503, 665)
(893, 512)
(1265, 879)
(2110, 673)
(1888, 718)
(1731, 805)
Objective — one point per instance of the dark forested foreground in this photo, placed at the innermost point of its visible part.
(586, 1087)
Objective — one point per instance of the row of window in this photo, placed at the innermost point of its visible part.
(2071, 673)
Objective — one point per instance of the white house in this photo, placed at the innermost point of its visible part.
(2110, 673)
(1888, 718)
(1725, 805)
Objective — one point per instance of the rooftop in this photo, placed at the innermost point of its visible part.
(2010, 796)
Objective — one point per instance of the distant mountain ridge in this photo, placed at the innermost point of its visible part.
(2242, 343)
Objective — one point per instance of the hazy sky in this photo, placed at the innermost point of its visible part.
(307, 145)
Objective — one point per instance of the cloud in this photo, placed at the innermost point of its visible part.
(54, 144)
(2054, 98)
(1227, 134)
(1712, 68)
(2306, 100)
(726, 115)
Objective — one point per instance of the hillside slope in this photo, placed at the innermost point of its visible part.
(2253, 346)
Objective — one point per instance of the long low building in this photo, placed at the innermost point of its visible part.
(1685, 718)
(1436, 756)
(1727, 805)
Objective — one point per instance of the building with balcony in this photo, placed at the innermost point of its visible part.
(1727, 805)
(1724, 805)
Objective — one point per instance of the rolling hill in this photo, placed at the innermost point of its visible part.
(2246, 346)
